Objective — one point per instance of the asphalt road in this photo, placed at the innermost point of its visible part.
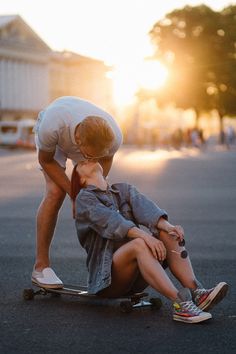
(197, 189)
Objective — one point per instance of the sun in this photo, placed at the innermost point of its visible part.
(129, 77)
(153, 75)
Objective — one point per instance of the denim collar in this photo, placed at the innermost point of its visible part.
(91, 187)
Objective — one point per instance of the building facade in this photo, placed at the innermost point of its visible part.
(32, 75)
(76, 75)
(24, 70)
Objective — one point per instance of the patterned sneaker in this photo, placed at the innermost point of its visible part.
(205, 299)
(184, 309)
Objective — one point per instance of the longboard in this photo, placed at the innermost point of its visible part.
(126, 303)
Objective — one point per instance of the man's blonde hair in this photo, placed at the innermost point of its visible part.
(95, 131)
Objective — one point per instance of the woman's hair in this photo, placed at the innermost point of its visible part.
(75, 187)
(95, 131)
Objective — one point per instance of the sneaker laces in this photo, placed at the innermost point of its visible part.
(199, 291)
(191, 307)
(202, 291)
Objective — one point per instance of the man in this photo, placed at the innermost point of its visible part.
(68, 128)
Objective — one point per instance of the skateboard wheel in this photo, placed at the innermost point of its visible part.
(126, 307)
(28, 294)
(156, 303)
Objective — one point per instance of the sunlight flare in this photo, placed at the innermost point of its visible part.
(129, 77)
(153, 75)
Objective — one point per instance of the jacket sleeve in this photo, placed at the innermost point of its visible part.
(108, 223)
(145, 211)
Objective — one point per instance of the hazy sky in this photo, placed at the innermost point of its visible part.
(104, 29)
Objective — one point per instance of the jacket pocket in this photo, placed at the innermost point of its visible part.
(126, 211)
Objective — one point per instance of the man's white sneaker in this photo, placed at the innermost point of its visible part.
(46, 278)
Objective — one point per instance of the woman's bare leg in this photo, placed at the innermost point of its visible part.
(181, 268)
(128, 260)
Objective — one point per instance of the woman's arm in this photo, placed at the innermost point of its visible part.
(144, 210)
(149, 214)
(92, 214)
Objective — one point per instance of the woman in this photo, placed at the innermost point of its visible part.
(123, 258)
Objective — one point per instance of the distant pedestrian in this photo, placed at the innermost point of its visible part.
(229, 136)
(195, 138)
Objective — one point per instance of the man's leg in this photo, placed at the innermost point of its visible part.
(46, 221)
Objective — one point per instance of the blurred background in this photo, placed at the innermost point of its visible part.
(166, 71)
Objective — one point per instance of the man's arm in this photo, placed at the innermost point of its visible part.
(54, 170)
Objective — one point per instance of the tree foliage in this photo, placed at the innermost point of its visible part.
(198, 45)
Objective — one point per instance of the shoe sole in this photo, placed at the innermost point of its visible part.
(195, 319)
(215, 297)
(47, 286)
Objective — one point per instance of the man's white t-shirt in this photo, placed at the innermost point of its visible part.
(56, 125)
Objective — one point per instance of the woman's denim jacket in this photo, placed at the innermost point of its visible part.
(104, 218)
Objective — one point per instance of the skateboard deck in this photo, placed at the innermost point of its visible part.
(126, 303)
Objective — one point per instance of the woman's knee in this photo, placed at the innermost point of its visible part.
(138, 245)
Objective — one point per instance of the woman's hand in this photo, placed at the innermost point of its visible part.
(173, 230)
(156, 247)
(176, 231)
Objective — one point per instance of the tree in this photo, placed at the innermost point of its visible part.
(197, 44)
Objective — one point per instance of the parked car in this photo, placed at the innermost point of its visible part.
(17, 133)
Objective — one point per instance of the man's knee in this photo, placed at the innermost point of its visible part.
(55, 195)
